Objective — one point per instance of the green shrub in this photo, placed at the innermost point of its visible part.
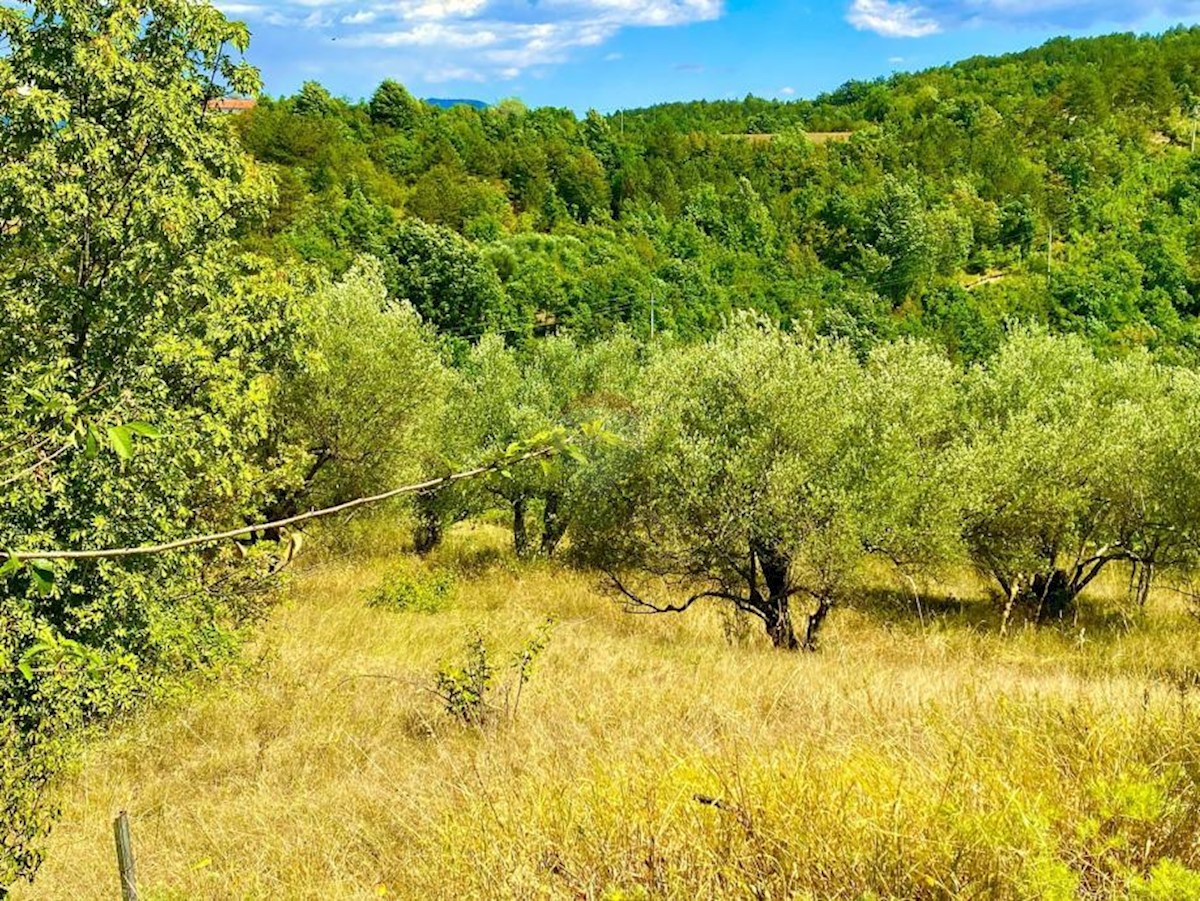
(464, 687)
(468, 689)
(420, 594)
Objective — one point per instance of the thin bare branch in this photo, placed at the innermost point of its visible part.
(639, 604)
(145, 550)
(34, 467)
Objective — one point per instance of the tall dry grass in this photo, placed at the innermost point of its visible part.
(651, 757)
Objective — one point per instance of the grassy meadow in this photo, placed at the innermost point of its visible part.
(653, 756)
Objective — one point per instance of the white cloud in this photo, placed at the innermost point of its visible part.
(542, 44)
(239, 9)
(467, 40)
(644, 12)
(445, 9)
(292, 18)
(453, 73)
(427, 34)
(787, 92)
(920, 18)
(892, 19)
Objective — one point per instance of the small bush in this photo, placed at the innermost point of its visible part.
(467, 689)
(464, 688)
(421, 594)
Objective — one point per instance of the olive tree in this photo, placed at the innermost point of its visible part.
(1154, 485)
(586, 389)
(908, 490)
(737, 482)
(1054, 446)
(360, 413)
(509, 394)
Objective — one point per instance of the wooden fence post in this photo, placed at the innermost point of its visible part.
(125, 864)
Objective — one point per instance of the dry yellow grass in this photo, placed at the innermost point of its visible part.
(901, 762)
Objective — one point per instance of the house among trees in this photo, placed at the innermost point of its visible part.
(230, 104)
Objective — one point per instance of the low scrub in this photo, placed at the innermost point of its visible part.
(476, 690)
(416, 592)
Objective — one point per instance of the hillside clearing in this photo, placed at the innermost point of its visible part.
(907, 762)
(816, 137)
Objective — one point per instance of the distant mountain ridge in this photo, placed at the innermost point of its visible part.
(447, 102)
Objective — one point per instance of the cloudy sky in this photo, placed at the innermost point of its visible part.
(613, 53)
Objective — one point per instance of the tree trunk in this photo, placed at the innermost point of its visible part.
(1012, 590)
(775, 607)
(554, 524)
(1054, 594)
(815, 620)
(778, 616)
(428, 532)
(520, 532)
(775, 565)
(1145, 582)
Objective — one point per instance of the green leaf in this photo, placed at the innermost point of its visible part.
(11, 564)
(121, 440)
(42, 573)
(144, 429)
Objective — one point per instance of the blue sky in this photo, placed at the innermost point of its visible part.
(610, 54)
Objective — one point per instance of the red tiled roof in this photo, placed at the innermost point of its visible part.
(230, 104)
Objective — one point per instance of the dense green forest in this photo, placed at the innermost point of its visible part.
(750, 362)
(1055, 186)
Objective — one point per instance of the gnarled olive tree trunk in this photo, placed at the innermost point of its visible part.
(1052, 594)
(427, 534)
(554, 524)
(772, 602)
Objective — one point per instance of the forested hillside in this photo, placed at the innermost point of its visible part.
(1057, 186)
